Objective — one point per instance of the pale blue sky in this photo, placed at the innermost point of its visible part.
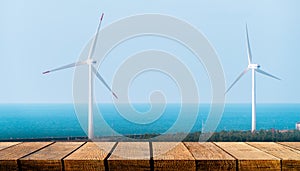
(40, 35)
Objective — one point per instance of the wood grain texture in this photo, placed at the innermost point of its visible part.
(9, 156)
(130, 156)
(89, 157)
(136, 156)
(250, 158)
(172, 156)
(294, 145)
(4, 145)
(209, 157)
(290, 157)
(50, 157)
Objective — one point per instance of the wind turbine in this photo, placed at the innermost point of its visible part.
(92, 70)
(254, 68)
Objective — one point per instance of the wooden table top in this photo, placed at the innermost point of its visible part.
(149, 156)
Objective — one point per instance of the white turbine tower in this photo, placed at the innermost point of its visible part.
(254, 68)
(90, 62)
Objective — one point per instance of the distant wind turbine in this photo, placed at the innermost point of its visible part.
(253, 67)
(92, 70)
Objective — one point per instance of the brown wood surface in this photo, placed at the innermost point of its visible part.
(50, 157)
(290, 157)
(172, 156)
(136, 156)
(10, 155)
(294, 145)
(4, 145)
(250, 158)
(209, 157)
(130, 156)
(89, 157)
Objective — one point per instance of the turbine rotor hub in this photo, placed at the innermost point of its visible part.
(90, 61)
(253, 66)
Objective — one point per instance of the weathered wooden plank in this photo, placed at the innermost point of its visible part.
(9, 156)
(209, 157)
(294, 145)
(290, 157)
(89, 157)
(172, 156)
(250, 158)
(50, 157)
(130, 156)
(4, 145)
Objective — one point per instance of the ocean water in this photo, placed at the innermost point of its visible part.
(61, 120)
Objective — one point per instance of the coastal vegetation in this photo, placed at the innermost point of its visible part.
(222, 136)
(243, 136)
(230, 136)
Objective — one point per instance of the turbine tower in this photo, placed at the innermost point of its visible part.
(254, 68)
(92, 70)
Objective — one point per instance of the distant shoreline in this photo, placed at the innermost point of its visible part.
(271, 135)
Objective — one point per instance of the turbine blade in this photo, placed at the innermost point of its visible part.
(93, 45)
(103, 81)
(65, 67)
(248, 46)
(238, 78)
(267, 74)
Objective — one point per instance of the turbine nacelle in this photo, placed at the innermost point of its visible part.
(253, 66)
(90, 61)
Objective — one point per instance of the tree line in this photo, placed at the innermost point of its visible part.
(227, 136)
(243, 136)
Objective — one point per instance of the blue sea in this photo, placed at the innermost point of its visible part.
(61, 120)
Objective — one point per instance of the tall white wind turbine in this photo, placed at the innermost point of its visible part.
(92, 70)
(254, 68)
